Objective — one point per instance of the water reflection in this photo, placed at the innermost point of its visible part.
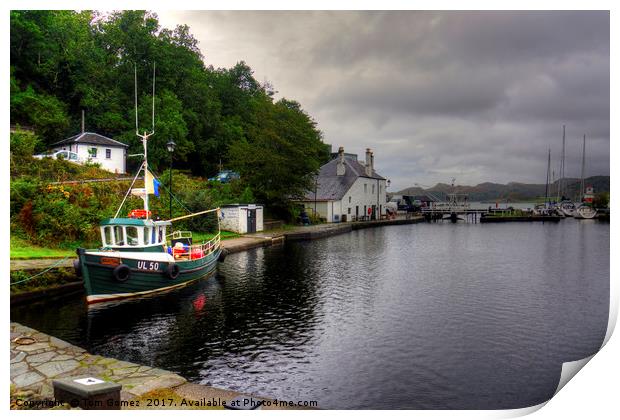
(424, 316)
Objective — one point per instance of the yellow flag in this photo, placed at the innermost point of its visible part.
(148, 182)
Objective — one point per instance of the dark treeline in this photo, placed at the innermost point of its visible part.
(63, 62)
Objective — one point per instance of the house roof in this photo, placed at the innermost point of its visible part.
(333, 187)
(90, 138)
(425, 198)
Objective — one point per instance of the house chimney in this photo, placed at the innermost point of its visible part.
(82, 121)
(340, 167)
(368, 162)
(372, 161)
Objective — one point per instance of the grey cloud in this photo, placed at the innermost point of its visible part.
(479, 96)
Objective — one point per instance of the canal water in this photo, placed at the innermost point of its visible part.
(426, 316)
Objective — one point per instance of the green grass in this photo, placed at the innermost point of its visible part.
(21, 249)
(205, 236)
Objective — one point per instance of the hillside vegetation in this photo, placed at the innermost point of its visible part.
(63, 62)
(67, 215)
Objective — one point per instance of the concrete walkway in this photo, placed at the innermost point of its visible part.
(37, 359)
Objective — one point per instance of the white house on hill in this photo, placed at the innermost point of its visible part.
(93, 147)
(347, 189)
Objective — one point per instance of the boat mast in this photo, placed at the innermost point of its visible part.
(144, 137)
(547, 185)
(562, 163)
(583, 167)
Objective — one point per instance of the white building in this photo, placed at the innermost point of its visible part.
(347, 189)
(241, 218)
(95, 148)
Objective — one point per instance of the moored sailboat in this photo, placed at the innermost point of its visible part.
(586, 210)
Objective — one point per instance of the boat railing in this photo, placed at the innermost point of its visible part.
(197, 251)
(180, 234)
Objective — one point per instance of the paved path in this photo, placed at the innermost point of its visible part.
(40, 263)
(34, 364)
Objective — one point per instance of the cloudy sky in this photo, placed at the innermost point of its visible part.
(478, 96)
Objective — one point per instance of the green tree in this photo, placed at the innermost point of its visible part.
(281, 154)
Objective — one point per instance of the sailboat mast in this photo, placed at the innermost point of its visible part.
(547, 184)
(561, 180)
(583, 167)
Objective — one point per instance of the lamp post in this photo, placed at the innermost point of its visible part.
(170, 146)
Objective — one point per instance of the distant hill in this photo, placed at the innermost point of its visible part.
(511, 192)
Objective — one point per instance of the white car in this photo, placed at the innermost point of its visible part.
(64, 154)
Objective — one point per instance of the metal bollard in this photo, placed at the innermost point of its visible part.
(88, 393)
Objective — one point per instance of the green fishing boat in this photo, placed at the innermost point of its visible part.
(138, 256)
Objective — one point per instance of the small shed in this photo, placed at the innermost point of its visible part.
(242, 218)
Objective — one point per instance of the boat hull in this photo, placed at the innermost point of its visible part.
(146, 275)
(585, 212)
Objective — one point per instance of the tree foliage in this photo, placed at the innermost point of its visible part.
(63, 62)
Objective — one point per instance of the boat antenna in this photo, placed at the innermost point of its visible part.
(144, 137)
(153, 112)
(135, 86)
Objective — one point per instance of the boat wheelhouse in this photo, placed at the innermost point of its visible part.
(131, 234)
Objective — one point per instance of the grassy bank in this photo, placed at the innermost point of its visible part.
(52, 278)
(23, 250)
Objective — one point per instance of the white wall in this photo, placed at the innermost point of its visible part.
(321, 208)
(230, 219)
(116, 162)
(259, 219)
(373, 194)
(235, 219)
(243, 220)
(358, 197)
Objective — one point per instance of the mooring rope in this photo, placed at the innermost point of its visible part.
(42, 272)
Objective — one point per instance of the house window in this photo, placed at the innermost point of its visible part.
(349, 210)
(373, 188)
(349, 199)
(365, 189)
(108, 153)
(92, 152)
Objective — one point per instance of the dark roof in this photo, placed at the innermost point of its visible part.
(424, 198)
(90, 138)
(334, 187)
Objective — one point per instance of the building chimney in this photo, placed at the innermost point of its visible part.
(340, 167)
(82, 121)
(368, 162)
(372, 161)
